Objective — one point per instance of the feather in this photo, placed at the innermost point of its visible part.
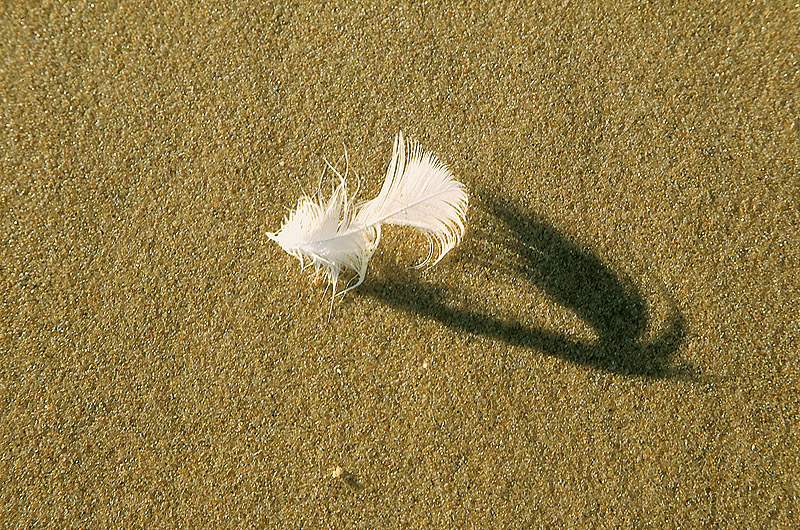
(337, 234)
(419, 191)
(325, 234)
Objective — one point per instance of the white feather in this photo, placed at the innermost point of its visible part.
(334, 235)
(324, 234)
(419, 191)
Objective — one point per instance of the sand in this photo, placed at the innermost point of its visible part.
(613, 345)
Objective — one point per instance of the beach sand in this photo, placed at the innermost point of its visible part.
(613, 345)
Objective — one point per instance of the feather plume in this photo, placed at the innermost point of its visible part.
(336, 234)
(419, 191)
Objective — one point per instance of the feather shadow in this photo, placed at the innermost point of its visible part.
(570, 276)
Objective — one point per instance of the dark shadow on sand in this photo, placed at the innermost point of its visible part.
(571, 277)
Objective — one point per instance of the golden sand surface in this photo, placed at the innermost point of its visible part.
(613, 345)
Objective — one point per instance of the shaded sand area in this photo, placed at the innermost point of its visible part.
(614, 344)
